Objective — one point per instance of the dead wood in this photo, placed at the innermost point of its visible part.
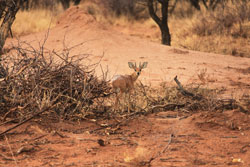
(185, 92)
(170, 106)
(217, 104)
(35, 80)
(7, 158)
(243, 149)
(6, 131)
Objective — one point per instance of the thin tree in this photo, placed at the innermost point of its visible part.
(161, 21)
(209, 4)
(8, 10)
(195, 3)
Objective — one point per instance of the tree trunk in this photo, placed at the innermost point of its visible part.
(65, 4)
(8, 19)
(165, 36)
(195, 3)
(77, 2)
(161, 22)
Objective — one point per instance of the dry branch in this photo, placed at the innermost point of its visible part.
(185, 92)
(35, 80)
(163, 151)
(217, 104)
(3, 133)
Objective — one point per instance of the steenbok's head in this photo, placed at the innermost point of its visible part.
(137, 69)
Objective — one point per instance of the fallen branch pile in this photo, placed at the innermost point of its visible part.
(181, 99)
(36, 81)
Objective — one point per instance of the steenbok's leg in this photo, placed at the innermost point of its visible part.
(127, 101)
(116, 101)
(123, 104)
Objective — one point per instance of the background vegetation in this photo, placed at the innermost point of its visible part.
(222, 29)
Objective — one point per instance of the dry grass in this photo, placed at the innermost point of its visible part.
(225, 30)
(213, 43)
(104, 13)
(35, 20)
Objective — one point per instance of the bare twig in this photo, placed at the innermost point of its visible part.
(163, 151)
(7, 158)
(10, 150)
(243, 148)
(170, 106)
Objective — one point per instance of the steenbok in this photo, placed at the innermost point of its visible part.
(123, 84)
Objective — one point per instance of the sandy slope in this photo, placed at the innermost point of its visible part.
(75, 27)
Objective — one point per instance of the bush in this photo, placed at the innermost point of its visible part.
(229, 20)
(129, 8)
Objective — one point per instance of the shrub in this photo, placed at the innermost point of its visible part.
(229, 20)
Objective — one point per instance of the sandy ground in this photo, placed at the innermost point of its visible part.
(201, 139)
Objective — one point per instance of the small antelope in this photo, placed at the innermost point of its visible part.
(125, 83)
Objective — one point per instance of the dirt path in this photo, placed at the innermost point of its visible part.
(202, 139)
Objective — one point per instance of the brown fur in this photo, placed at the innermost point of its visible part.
(125, 83)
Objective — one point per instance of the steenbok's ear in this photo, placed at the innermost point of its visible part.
(131, 65)
(144, 65)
